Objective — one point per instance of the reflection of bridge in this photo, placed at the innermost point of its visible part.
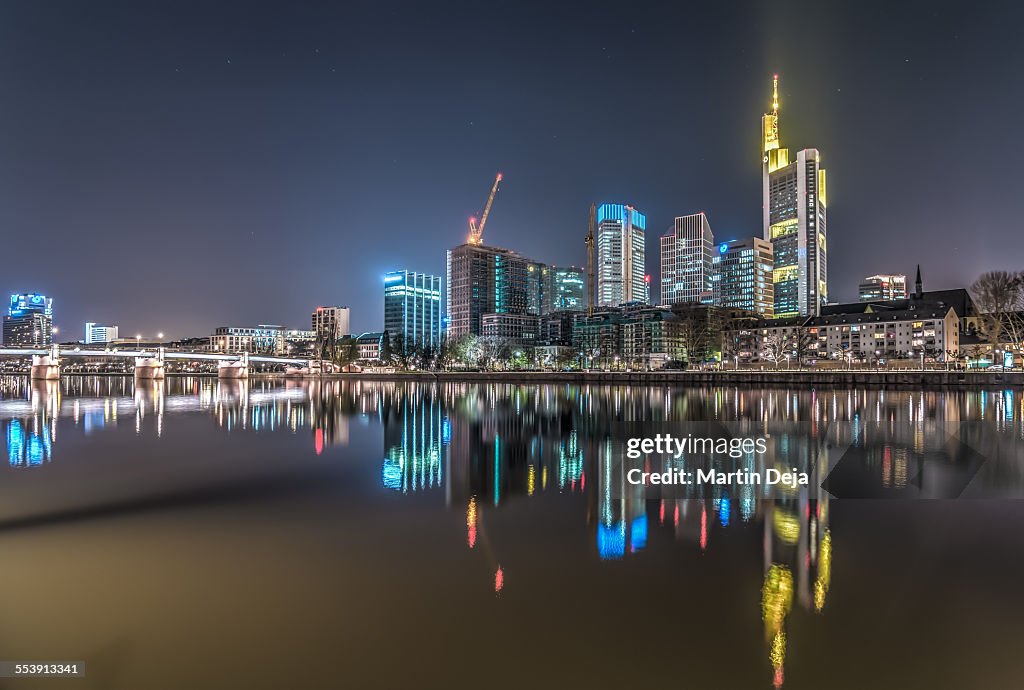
(149, 364)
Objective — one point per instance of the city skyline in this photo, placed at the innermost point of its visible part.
(171, 148)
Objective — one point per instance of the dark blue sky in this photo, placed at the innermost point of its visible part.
(178, 166)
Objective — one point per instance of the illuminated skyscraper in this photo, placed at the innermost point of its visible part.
(412, 309)
(29, 321)
(620, 255)
(743, 276)
(794, 201)
(564, 289)
(489, 280)
(686, 261)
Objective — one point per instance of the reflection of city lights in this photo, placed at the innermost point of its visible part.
(531, 480)
(611, 541)
(778, 658)
(824, 579)
(471, 523)
(499, 579)
(703, 526)
(638, 533)
(786, 526)
(776, 597)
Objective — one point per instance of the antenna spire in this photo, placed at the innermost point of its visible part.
(775, 95)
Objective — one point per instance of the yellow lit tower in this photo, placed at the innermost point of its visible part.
(794, 220)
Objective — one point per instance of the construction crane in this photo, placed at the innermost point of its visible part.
(590, 263)
(476, 233)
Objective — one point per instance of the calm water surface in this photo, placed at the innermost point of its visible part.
(271, 534)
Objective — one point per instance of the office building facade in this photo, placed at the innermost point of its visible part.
(687, 261)
(263, 339)
(412, 309)
(620, 255)
(794, 221)
(885, 288)
(564, 289)
(489, 280)
(743, 276)
(98, 333)
(29, 321)
(330, 323)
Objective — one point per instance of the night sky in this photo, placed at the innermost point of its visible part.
(178, 166)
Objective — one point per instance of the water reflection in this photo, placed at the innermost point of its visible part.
(479, 448)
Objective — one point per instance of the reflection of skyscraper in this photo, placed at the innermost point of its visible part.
(413, 442)
(794, 200)
(620, 255)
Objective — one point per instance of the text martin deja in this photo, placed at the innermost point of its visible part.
(668, 445)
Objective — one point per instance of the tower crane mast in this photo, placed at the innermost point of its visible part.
(590, 262)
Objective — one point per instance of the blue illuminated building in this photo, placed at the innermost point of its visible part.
(29, 321)
(620, 244)
(412, 309)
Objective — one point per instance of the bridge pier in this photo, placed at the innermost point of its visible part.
(234, 370)
(47, 367)
(150, 367)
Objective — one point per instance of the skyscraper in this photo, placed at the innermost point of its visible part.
(686, 261)
(564, 289)
(412, 309)
(29, 321)
(794, 202)
(620, 255)
(883, 287)
(743, 276)
(489, 280)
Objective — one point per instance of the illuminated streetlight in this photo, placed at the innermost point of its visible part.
(160, 336)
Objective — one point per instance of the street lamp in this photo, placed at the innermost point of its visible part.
(160, 336)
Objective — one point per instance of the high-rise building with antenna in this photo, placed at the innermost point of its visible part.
(794, 203)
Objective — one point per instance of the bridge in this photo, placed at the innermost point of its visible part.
(149, 364)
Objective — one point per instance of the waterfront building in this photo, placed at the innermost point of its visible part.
(516, 329)
(925, 324)
(330, 323)
(412, 309)
(29, 321)
(883, 288)
(794, 221)
(369, 345)
(263, 339)
(620, 255)
(686, 261)
(742, 276)
(97, 333)
(489, 280)
(634, 335)
(555, 328)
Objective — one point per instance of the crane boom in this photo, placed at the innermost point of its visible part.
(476, 232)
(590, 263)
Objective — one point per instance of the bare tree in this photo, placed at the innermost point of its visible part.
(774, 348)
(999, 296)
